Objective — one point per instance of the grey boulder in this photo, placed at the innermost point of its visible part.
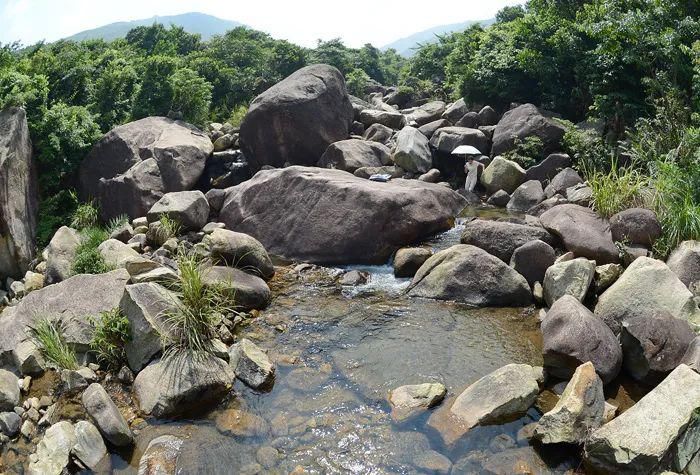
(106, 415)
(572, 277)
(562, 181)
(61, 254)
(446, 139)
(684, 261)
(240, 250)
(245, 291)
(190, 209)
(502, 174)
(548, 168)
(251, 365)
(526, 196)
(636, 226)
(408, 260)
(351, 154)
(532, 260)
(412, 152)
(501, 238)
(526, 121)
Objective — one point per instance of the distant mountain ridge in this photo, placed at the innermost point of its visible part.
(205, 25)
(406, 46)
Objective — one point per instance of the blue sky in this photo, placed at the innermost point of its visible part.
(301, 21)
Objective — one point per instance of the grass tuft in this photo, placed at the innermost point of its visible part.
(52, 344)
(88, 259)
(85, 216)
(111, 331)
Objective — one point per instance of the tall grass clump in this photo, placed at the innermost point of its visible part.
(86, 215)
(168, 228)
(618, 189)
(51, 342)
(191, 325)
(112, 331)
(88, 259)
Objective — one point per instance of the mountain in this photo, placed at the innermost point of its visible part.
(205, 25)
(406, 46)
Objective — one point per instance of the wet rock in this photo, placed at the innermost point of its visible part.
(147, 306)
(9, 390)
(526, 196)
(502, 174)
(251, 365)
(647, 285)
(61, 254)
(656, 433)
(378, 133)
(241, 423)
(572, 335)
(653, 345)
(499, 198)
(412, 152)
(89, 447)
(532, 260)
(579, 411)
(548, 168)
(268, 456)
(240, 250)
(562, 181)
(582, 232)
(526, 121)
(408, 260)
(433, 462)
(53, 452)
(160, 457)
(180, 384)
(407, 401)
(636, 226)
(446, 139)
(134, 164)
(684, 261)
(572, 277)
(190, 209)
(18, 196)
(245, 291)
(107, 417)
(297, 119)
(351, 154)
(470, 275)
(354, 278)
(340, 218)
(606, 275)
(501, 395)
(501, 238)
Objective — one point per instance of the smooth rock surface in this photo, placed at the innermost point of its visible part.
(572, 277)
(351, 154)
(501, 238)
(106, 415)
(502, 174)
(240, 250)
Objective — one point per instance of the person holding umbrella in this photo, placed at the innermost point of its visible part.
(471, 167)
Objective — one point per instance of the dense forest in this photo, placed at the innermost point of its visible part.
(630, 68)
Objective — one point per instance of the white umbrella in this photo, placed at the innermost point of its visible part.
(466, 150)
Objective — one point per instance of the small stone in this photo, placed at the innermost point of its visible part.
(10, 423)
(251, 365)
(433, 462)
(106, 415)
(89, 447)
(407, 401)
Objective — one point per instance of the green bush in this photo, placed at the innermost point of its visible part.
(527, 152)
(88, 259)
(619, 189)
(191, 96)
(356, 82)
(54, 212)
(111, 331)
(85, 215)
(49, 337)
(237, 116)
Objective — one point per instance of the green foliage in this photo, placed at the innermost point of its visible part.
(619, 189)
(191, 326)
(168, 228)
(237, 116)
(49, 338)
(356, 82)
(88, 259)
(191, 96)
(54, 212)
(85, 215)
(155, 94)
(21, 90)
(527, 152)
(114, 92)
(116, 223)
(111, 331)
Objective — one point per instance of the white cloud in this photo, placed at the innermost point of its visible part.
(301, 21)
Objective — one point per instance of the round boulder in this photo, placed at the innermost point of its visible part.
(532, 260)
(526, 196)
(635, 226)
(351, 154)
(409, 259)
(502, 174)
(412, 152)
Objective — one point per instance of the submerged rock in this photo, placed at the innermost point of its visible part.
(659, 432)
(160, 457)
(467, 274)
(332, 217)
(579, 411)
(409, 400)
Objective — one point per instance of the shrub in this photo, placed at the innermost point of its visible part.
(191, 96)
(85, 215)
(618, 189)
(169, 228)
(237, 115)
(356, 82)
(88, 259)
(111, 331)
(52, 344)
(191, 326)
(54, 211)
(116, 223)
(527, 152)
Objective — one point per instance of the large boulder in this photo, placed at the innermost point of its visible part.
(297, 119)
(408, 260)
(351, 154)
(134, 164)
(430, 128)
(636, 226)
(647, 285)
(455, 111)
(117, 254)
(392, 119)
(147, 306)
(181, 384)
(562, 181)
(332, 217)
(532, 260)
(578, 412)
(526, 196)
(684, 261)
(72, 302)
(582, 232)
(190, 209)
(467, 274)
(572, 335)
(245, 290)
(106, 415)
(548, 168)
(412, 151)
(572, 277)
(499, 396)
(239, 250)
(502, 174)
(61, 254)
(18, 194)
(447, 139)
(378, 133)
(659, 432)
(653, 345)
(501, 238)
(526, 121)
(428, 112)
(9, 391)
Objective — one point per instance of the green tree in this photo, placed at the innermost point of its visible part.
(356, 82)
(191, 96)
(155, 95)
(114, 92)
(334, 53)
